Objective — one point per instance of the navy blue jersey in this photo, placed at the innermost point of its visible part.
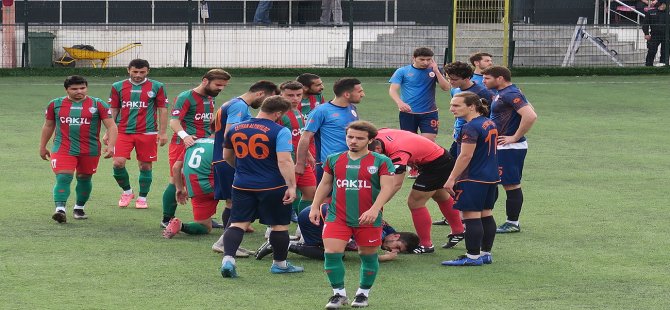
(256, 143)
(481, 91)
(504, 110)
(232, 112)
(483, 166)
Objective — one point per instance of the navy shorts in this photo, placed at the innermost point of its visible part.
(265, 205)
(426, 123)
(223, 180)
(475, 196)
(510, 164)
(433, 175)
(311, 234)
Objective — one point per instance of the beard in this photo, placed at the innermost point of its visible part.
(255, 104)
(211, 92)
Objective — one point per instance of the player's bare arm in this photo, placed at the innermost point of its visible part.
(322, 191)
(105, 137)
(441, 80)
(175, 125)
(229, 156)
(386, 192)
(47, 132)
(162, 126)
(181, 192)
(287, 170)
(394, 92)
(528, 118)
(302, 151)
(112, 133)
(462, 162)
(388, 256)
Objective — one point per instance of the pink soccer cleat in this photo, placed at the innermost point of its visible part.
(125, 200)
(141, 204)
(172, 228)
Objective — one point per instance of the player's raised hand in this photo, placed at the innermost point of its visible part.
(44, 153)
(188, 141)
(433, 65)
(108, 152)
(182, 195)
(289, 196)
(368, 217)
(315, 216)
(105, 139)
(162, 139)
(404, 107)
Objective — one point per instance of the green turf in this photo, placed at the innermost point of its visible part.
(594, 224)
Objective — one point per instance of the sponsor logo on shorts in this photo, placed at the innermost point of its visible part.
(373, 240)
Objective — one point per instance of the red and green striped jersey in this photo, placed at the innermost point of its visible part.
(356, 184)
(308, 104)
(77, 125)
(195, 112)
(198, 170)
(138, 105)
(294, 120)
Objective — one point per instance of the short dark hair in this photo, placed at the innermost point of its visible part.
(291, 85)
(344, 85)
(265, 86)
(459, 69)
(274, 104)
(139, 64)
(423, 52)
(216, 74)
(74, 80)
(307, 79)
(411, 240)
(374, 144)
(478, 57)
(364, 126)
(470, 99)
(498, 71)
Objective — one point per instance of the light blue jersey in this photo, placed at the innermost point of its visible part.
(328, 122)
(417, 88)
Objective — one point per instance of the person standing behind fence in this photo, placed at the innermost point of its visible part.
(653, 27)
(262, 15)
(135, 104)
(328, 8)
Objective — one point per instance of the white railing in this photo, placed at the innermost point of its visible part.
(607, 10)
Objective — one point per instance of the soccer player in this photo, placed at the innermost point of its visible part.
(76, 120)
(264, 185)
(198, 174)
(191, 116)
(232, 112)
(311, 96)
(480, 61)
(136, 104)
(413, 90)
(327, 125)
(473, 182)
(513, 116)
(361, 183)
(434, 164)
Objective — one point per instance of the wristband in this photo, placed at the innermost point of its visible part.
(182, 134)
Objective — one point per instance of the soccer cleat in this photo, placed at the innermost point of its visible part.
(164, 224)
(453, 240)
(228, 270)
(141, 204)
(442, 222)
(125, 199)
(464, 260)
(59, 216)
(289, 268)
(242, 252)
(360, 301)
(337, 301)
(508, 227)
(216, 224)
(79, 214)
(263, 250)
(424, 249)
(218, 245)
(487, 258)
(172, 228)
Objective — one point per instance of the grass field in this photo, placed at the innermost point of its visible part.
(594, 224)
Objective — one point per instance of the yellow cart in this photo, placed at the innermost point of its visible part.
(73, 54)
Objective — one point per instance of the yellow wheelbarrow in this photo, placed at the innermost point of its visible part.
(73, 54)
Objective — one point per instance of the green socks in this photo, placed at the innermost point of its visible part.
(62, 187)
(169, 201)
(83, 189)
(145, 182)
(296, 202)
(121, 176)
(369, 269)
(334, 267)
(194, 228)
(303, 204)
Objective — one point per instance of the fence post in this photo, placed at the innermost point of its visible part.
(510, 37)
(666, 39)
(189, 51)
(350, 44)
(24, 47)
(449, 52)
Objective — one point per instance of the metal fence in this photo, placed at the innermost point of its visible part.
(372, 34)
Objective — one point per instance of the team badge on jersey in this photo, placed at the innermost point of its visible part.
(151, 94)
(92, 110)
(372, 169)
(353, 112)
(431, 74)
(175, 112)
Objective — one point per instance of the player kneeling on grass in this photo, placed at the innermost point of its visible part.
(76, 120)
(473, 180)
(361, 183)
(198, 176)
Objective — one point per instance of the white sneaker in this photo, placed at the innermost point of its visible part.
(218, 245)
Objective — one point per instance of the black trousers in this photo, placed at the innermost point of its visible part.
(652, 48)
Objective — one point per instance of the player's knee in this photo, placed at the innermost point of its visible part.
(145, 166)
(119, 162)
(84, 177)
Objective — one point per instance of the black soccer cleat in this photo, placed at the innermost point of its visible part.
(59, 216)
(79, 214)
(264, 250)
(453, 240)
(424, 249)
(442, 222)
